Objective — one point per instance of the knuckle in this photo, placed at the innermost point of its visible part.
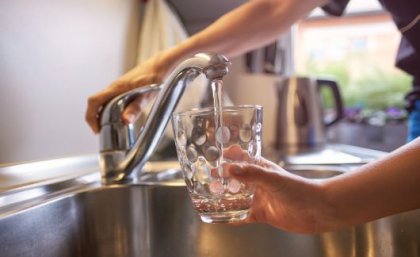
(92, 100)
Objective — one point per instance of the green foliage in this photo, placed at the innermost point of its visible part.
(369, 87)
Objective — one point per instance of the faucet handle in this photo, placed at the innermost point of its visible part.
(117, 138)
(121, 153)
(112, 112)
(115, 135)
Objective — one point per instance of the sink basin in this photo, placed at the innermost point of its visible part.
(155, 218)
(316, 171)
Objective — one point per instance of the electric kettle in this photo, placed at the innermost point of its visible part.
(301, 120)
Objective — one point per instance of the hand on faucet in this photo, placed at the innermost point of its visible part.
(122, 151)
(152, 71)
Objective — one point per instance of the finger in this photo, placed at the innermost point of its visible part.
(236, 153)
(126, 83)
(97, 101)
(92, 112)
(95, 105)
(260, 176)
(133, 111)
(268, 164)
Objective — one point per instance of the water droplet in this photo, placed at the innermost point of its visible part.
(223, 135)
(234, 186)
(212, 153)
(245, 133)
(198, 136)
(191, 153)
(216, 187)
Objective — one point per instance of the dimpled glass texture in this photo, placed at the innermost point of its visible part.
(201, 142)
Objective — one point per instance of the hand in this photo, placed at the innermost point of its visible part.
(281, 199)
(150, 72)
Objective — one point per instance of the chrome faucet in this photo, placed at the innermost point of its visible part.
(120, 153)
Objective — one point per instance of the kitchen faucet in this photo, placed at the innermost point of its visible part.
(120, 152)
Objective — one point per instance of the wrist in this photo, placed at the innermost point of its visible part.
(328, 216)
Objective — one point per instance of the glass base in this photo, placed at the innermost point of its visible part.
(224, 217)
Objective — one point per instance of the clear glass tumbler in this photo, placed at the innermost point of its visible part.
(203, 140)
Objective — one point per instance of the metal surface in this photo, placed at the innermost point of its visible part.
(120, 152)
(157, 219)
(77, 216)
(316, 171)
(300, 117)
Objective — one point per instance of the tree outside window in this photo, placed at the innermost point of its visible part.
(359, 51)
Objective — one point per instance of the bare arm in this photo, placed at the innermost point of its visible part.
(384, 187)
(251, 25)
(387, 186)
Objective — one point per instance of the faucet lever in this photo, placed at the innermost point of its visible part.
(120, 152)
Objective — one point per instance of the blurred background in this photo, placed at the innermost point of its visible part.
(54, 54)
(359, 50)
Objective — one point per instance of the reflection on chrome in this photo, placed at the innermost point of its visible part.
(76, 215)
(121, 152)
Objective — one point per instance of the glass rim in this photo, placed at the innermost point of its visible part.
(226, 109)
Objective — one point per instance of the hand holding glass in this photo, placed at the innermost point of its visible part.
(201, 137)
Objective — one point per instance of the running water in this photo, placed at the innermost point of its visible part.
(217, 91)
(229, 200)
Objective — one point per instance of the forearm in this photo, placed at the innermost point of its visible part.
(385, 187)
(254, 24)
(251, 25)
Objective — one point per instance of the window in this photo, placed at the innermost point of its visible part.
(359, 50)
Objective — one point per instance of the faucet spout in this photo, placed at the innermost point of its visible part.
(120, 153)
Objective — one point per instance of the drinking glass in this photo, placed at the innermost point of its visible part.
(203, 139)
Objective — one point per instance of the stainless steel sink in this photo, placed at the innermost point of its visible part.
(155, 218)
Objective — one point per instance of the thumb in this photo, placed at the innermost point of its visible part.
(260, 176)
